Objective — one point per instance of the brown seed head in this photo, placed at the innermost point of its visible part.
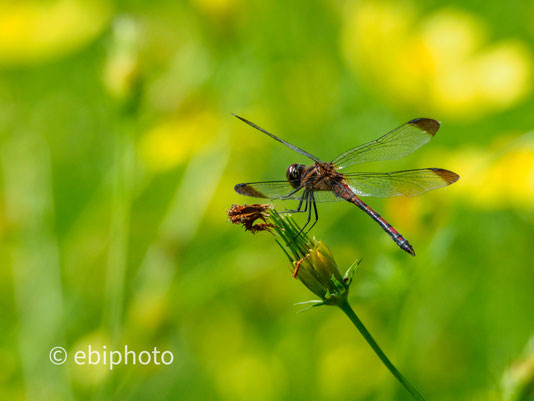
(246, 215)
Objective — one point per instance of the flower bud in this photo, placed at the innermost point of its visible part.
(318, 271)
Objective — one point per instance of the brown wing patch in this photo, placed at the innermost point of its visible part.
(245, 189)
(426, 124)
(448, 176)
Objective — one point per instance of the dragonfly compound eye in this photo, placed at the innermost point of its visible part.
(294, 174)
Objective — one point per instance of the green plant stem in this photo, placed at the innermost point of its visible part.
(345, 307)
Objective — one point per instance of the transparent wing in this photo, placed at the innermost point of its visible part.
(396, 144)
(408, 182)
(268, 190)
(296, 149)
(326, 196)
(280, 190)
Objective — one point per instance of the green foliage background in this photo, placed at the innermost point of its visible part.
(118, 159)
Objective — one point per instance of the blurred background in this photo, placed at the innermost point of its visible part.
(118, 157)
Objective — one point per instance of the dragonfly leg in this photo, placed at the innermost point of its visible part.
(305, 204)
(292, 193)
(304, 194)
(309, 196)
(312, 200)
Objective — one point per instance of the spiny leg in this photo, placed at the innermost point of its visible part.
(302, 198)
(300, 202)
(309, 210)
(308, 199)
(312, 200)
(305, 204)
(292, 192)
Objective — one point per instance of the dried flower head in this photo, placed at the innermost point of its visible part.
(246, 215)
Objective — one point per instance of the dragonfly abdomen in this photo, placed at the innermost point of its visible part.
(343, 191)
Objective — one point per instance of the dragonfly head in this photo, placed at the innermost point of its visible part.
(294, 174)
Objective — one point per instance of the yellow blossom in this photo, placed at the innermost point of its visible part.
(217, 9)
(442, 63)
(502, 177)
(33, 31)
(170, 143)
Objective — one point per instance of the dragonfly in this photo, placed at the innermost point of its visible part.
(324, 181)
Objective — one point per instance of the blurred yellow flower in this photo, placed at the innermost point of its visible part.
(86, 374)
(170, 143)
(147, 312)
(504, 74)
(33, 31)
(439, 64)
(122, 68)
(502, 177)
(216, 8)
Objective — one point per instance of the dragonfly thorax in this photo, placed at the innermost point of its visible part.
(294, 174)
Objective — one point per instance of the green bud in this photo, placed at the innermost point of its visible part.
(318, 271)
(312, 261)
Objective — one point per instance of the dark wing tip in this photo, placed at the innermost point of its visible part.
(240, 188)
(448, 176)
(247, 190)
(428, 125)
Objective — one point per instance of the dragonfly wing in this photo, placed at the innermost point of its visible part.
(289, 145)
(400, 142)
(268, 190)
(408, 182)
(326, 196)
(280, 190)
